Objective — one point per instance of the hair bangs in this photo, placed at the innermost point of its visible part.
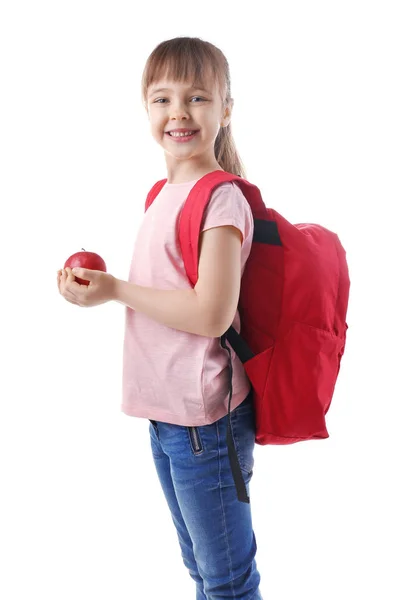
(183, 60)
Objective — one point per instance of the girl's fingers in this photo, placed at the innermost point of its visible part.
(58, 279)
(63, 275)
(61, 280)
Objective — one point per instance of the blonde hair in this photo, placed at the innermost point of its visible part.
(192, 59)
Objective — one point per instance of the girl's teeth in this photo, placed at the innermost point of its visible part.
(181, 134)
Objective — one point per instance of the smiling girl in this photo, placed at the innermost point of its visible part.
(175, 372)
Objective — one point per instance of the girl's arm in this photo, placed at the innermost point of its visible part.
(210, 307)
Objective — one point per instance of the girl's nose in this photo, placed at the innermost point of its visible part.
(179, 112)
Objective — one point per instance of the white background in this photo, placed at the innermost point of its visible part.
(82, 514)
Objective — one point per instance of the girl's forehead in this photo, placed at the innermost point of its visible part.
(168, 84)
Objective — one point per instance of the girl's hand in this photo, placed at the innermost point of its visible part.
(100, 289)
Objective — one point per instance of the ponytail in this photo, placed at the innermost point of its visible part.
(226, 153)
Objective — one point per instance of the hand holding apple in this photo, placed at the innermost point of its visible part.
(87, 260)
(94, 285)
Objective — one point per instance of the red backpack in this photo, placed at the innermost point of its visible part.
(293, 305)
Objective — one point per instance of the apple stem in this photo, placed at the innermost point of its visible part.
(83, 249)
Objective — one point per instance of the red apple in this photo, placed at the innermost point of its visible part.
(86, 260)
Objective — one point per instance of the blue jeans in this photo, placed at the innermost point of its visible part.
(214, 528)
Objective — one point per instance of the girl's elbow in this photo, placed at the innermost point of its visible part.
(219, 327)
(217, 319)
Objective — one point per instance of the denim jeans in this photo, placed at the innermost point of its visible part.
(214, 528)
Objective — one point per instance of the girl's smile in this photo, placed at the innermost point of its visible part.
(181, 137)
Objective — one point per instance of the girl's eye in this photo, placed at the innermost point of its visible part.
(158, 101)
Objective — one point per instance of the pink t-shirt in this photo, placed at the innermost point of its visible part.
(171, 375)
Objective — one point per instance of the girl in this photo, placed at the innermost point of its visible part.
(175, 371)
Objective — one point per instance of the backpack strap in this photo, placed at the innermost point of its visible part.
(154, 191)
(193, 211)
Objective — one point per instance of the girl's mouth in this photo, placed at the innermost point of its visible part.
(182, 138)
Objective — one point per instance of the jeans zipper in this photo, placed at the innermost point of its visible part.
(197, 446)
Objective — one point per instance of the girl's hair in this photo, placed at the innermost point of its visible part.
(192, 59)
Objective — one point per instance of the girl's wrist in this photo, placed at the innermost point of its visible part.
(117, 289)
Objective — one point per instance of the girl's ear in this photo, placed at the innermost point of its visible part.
(228, 113)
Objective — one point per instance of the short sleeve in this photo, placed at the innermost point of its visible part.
(229, 206)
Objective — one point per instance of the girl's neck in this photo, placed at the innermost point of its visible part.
(187, 177)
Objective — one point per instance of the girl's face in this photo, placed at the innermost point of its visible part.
(175, 105)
